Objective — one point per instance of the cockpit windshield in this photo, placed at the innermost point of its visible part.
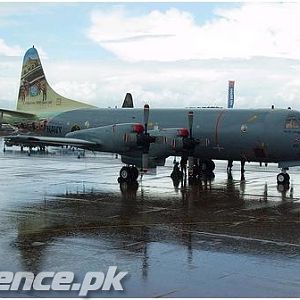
(292, 123)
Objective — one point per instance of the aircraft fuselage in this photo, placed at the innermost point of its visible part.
(252, 134)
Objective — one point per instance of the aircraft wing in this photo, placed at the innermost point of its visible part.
(50, 141)
(15, 113)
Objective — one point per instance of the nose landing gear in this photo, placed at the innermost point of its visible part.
(128, 174)
(283, 177)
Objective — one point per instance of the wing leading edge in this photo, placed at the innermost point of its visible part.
(50, 141)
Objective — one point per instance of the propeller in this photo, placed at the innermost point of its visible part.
(189, 143)
(146, 117)
(191, 121)
(144, 139)
(1, 119)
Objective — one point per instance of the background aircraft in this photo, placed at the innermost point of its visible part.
(37, 101)
(145, 139)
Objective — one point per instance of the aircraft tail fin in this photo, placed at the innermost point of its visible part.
(128, 101)
(35, 93)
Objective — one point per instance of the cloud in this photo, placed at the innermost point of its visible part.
(260, 81)
(9, 50)
(166, 63)
(253, 29)
(79, 90)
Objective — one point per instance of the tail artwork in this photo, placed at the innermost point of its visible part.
(35, 93)
(128, 102)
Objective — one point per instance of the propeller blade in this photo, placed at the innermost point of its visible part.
(1, 119)
(146, 117)
(145, 161)
(191, 120)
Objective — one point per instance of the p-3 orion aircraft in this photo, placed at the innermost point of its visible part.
(146, 138)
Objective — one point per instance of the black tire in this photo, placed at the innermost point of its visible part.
(210, 165)
(125, 174)
(134, 173)
(287, 177)
(283, 178)
(280, 178)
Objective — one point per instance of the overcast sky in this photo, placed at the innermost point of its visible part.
(165, 54)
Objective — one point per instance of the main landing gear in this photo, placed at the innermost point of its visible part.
(283, 178)
(128, 174)
(201, 170)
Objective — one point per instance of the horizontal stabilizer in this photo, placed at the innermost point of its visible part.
(18, 114)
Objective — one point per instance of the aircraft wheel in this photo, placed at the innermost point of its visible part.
(283, 178)
(210, 165)
(125, 174)
(134, 173)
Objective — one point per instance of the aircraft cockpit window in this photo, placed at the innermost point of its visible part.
(292, 123)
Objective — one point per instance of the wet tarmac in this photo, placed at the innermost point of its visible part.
(220, 238)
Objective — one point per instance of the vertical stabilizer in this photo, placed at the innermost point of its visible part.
(35, 94)
(128, 101)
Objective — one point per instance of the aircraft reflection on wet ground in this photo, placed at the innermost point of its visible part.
(224, 237)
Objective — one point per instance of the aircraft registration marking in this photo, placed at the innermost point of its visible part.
(53, 129)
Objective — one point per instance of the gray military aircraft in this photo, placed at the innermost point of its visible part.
(145, 139)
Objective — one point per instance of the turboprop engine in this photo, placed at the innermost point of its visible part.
(118, 138)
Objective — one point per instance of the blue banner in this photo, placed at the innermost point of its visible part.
(230, 94)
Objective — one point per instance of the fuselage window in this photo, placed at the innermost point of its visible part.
(292, 123)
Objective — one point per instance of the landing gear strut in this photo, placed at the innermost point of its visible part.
(283, 177)
(243, 161)
(128, 174)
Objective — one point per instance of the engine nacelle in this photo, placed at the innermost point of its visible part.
(125, 139)
(169, 141)
(117, 138)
